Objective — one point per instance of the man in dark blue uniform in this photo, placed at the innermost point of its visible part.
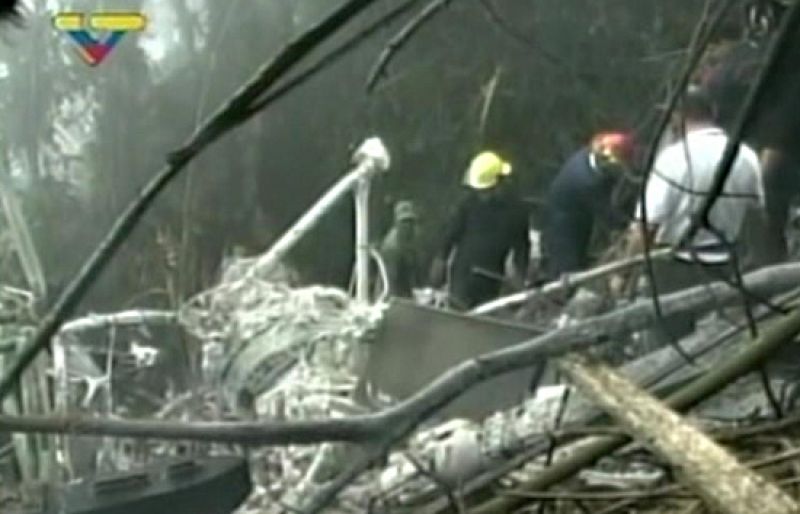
(488, 224)
(579, 198)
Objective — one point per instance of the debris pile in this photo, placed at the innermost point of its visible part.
(286, 354)
(280, 353)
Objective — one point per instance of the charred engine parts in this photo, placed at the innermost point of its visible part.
(216, 485)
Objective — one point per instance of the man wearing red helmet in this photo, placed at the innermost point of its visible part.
(580, 198)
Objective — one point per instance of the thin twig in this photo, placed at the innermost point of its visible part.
(436, 479)
(671, 491)
(331, 58)
(529, 43)
(566, 282)
(553, 443)
(400, 39)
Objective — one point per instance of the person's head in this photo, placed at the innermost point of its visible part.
(405, 218)
(485, 173)
(762, 17)
(613, 151)
(696, 107)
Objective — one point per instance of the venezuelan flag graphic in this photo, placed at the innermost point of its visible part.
(112, 27)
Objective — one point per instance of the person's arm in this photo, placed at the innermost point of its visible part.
(417, 272)
(521, 247)
(604, 210)
(391, 263)
(661, 200)
(758, 182)
(454, 230)
(453, 233)
(635, 238)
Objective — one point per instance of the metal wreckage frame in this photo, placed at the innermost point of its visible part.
(349, 404)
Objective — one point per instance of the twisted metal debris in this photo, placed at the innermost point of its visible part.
(284, 354)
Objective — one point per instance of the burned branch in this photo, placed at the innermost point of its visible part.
(401, 38)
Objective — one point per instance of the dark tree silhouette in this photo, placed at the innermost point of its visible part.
(9, 9)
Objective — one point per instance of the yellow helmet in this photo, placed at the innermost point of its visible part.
(485, 171)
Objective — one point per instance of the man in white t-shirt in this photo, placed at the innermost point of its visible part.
(679, 182)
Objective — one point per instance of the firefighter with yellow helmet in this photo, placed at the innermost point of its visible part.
(488, 224)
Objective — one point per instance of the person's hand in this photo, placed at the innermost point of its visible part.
(617, 285)
(438, 274)
(517, 282)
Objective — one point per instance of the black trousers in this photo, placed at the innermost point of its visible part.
(469, 289)
(781, 186)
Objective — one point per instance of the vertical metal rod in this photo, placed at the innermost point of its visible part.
(362, 239)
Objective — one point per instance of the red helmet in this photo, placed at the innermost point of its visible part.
(613, 146)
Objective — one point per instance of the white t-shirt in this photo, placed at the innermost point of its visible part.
(680, 180)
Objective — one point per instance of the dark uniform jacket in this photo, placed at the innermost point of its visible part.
(578, 197)
(483, 233)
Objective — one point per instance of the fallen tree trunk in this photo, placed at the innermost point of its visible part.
(720, 480)
(687, 397)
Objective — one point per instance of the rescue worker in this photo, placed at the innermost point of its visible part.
(399, 251)
(678, 184)
(579, 200)
(488, 225)
(775, 128)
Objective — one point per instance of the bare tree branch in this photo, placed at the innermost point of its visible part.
(354, 429)
(567, 282)
(331, 58)
(402, 38)
(434, 477)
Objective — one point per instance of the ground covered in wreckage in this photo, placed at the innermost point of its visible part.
(271, 351)
(447, 459)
